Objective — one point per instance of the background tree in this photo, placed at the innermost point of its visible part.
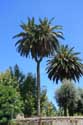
(59, 111)
(38, 40)
(8, 80)
(79, 102)
(65, 65)
(66, 97)
(17, 73)
(47, 107)
(51, 109)
(29, 95)
(28, 90)
(10, 99)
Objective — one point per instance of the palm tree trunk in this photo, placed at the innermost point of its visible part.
(38, 88)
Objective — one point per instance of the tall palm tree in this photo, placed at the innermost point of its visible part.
(39, 41)
(65, 65)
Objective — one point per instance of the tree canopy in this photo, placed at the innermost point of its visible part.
(10, 99)
(66, 96)
(65, 64)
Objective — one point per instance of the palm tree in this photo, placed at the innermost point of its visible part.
(39, 41)
(65, 65)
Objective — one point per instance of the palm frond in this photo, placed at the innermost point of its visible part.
(66, 64)
(22, 34)
(40, 40)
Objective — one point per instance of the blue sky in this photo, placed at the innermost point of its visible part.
(68, 13)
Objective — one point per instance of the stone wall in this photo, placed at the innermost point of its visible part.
(50, 121)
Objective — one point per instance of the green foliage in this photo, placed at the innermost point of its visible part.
(10, 99)
(69, 99)
(47, 107)
(12, 122)
(59, 112)
(79, 102)
(66, 97)
(7, 80)
(65, 65)
(29, 95)
(16, 73)
(39, 40)
(50, 109)
(28, 89)
(18, 93)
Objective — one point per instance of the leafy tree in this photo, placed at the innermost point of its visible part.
(47, 107)
(60, 112)
(38, 40)
(65, 65)
(27, 88)
(16, 73)
(7, 80)
(29, 95)
(79, 102)
(66, 97)
(28, 91)
(10, 99)
(51, 109)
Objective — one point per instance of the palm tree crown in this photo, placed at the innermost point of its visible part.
(39, 40)
(65, 65)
